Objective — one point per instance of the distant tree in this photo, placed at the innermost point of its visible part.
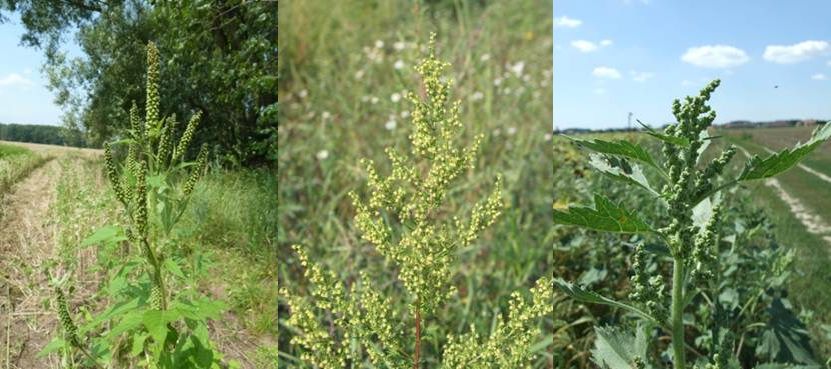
(51, 135)
(221, 59)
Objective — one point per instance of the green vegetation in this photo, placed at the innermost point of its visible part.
(15, 163)
(42, 134)
(222, 62)
(406, 221)
(728, 276)
(345, 71)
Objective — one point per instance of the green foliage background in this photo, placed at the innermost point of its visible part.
(337, 92)
(220, 58)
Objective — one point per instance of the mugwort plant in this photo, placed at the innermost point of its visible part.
(687, 236)
(406, 218)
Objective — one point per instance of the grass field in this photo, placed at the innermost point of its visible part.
(15, 162)
(230, 229)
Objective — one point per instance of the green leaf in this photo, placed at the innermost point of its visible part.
(677, 141)
(620, 170)
(156, 323)
(614, 348)
(580, 294)
(105, 235)
(618, 148)
(757, 168)
(53, 346)
(606, 216)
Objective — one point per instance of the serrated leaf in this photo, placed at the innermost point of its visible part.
(617, 148)
(615, 348)
(757, 168)
(634, 175)
(606, 216)
(581, 294)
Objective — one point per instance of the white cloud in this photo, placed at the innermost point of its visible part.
(14, 79)
(566, 22)
(789, 54)
(715, 56)
(584, 46)
(640, 76)
(606, 72)
(588, 46)
(819, 77)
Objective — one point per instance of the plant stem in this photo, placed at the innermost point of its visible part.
(417, 354)
(678, 359)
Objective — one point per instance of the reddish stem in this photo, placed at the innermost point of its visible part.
(417, 354)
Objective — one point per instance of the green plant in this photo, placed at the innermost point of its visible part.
(689, 238)
(152, 320)
(406, 219)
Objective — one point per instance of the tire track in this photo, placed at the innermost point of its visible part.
(814, 223)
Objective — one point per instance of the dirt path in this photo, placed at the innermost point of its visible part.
(26, 245)
(813, 222)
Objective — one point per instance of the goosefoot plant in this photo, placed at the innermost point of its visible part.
(159, 326)
(690, 192)
(405, 219)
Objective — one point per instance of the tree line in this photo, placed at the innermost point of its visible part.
(42, 134)
(220, 58)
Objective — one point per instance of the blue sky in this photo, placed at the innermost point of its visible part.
(612, 57)
(24, 97)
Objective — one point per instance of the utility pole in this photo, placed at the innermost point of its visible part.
(630, 121)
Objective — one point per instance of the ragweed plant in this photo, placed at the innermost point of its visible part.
(688, 237)
(406, 219)
(151, 321)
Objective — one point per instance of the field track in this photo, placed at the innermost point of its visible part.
(25, 244)
(28, 244)
(813, 222)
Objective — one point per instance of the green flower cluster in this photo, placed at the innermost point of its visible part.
(405, 218)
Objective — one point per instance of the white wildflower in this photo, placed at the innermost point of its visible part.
(302, 94)
(398, 46)
(373, 100)
(511, 131)
(476, 96)
(359, 74)
(485, 57)
(547, 137)
(396, 97)
(497, 82)
(325, 115)
(517, 68)
(405, 114)
(390, 125)
(322, 154)
(379, 44)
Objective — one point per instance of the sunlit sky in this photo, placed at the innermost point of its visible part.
(612, 57)
(24, 97)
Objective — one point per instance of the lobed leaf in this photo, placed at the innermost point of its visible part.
(606, 216)
(615, 348)
(634, 175)
(757, 168)
(581, 294)
(618, 148)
